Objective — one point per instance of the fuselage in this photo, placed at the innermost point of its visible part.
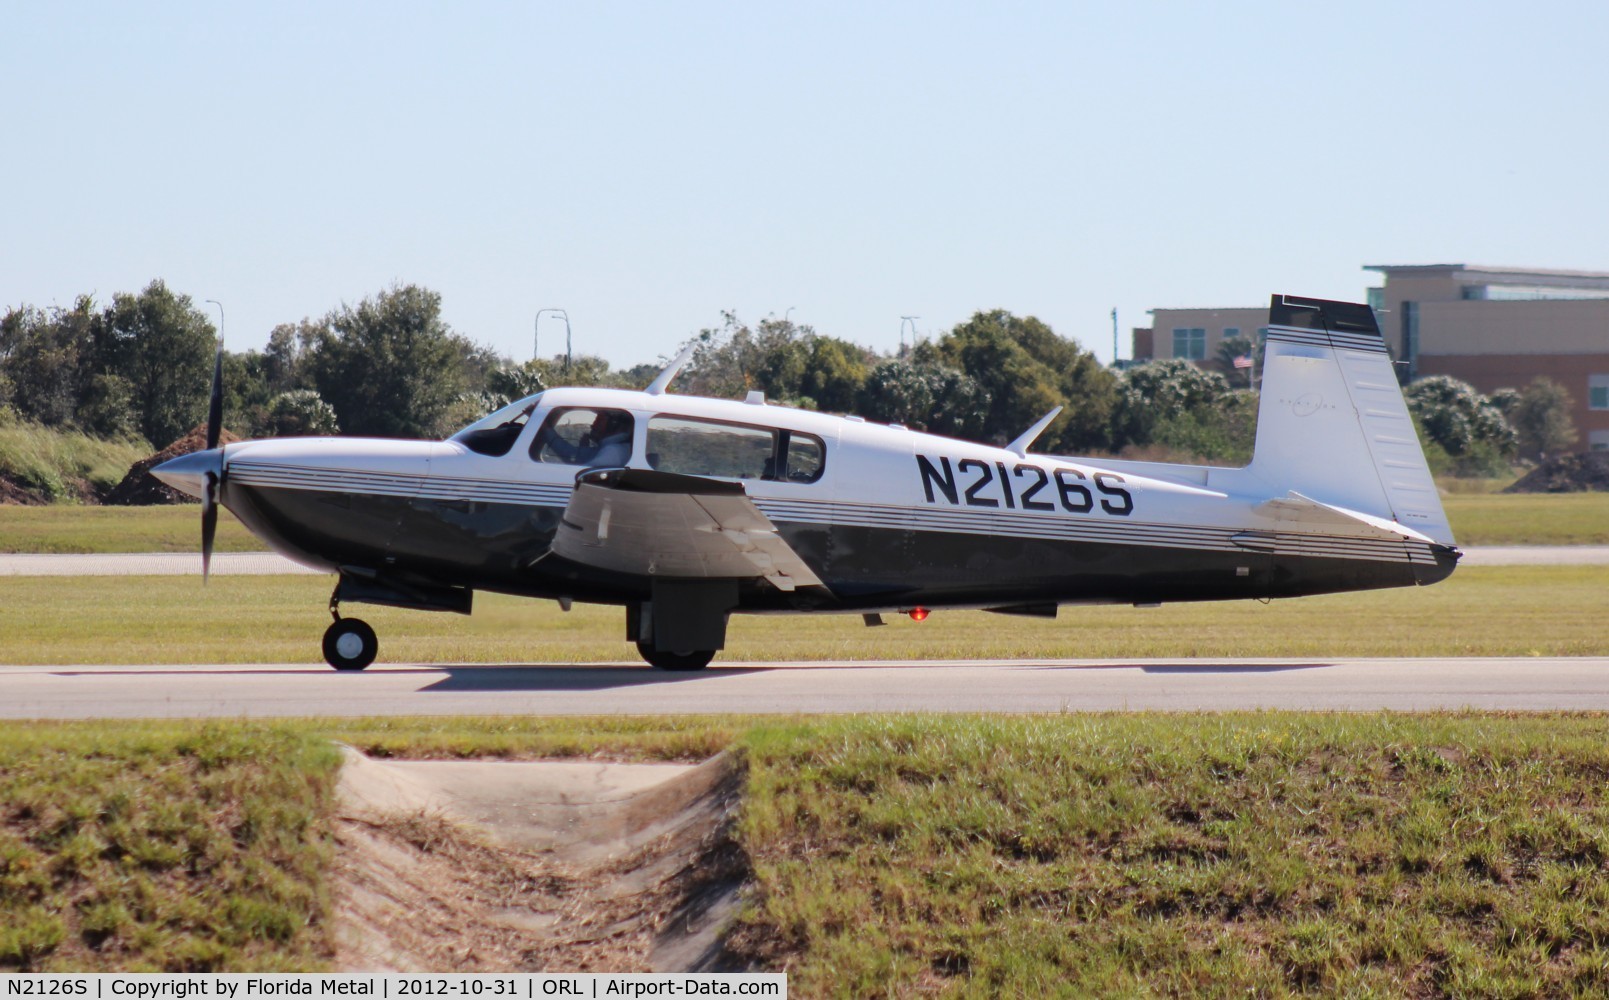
(886, 517)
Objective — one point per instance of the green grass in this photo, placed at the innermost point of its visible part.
(1529, 518)
(61, 464)
(176, 846)
(1481, 611)
(1473, 484)
(1250, 855)
(61, 528)
(1263, 854)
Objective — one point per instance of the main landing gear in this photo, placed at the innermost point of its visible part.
(664, 659)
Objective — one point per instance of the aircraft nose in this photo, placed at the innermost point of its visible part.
(188, 473)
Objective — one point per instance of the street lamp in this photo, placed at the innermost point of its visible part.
(215, 302)
(564, 316)
(902, 321)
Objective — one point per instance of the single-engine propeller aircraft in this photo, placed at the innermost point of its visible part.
(685, 510)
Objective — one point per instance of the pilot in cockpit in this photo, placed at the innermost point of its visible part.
(607, 445)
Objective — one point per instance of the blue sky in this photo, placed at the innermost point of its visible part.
(646, 166)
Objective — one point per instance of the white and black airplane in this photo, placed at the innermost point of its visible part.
(685, 510)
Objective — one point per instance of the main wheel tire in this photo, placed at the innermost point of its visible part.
(350, 644)
(664, 659)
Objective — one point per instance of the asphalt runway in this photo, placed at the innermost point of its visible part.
(1544, 683)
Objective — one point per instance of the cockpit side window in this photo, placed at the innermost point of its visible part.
(733, 451)
(583, 435)
(496, 434)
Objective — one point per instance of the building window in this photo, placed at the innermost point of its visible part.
(1190, 343)
(1598, 392)
(1231, 331)
(1598, 441)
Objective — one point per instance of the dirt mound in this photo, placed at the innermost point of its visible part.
(455, 866)
(141, 489)
(14, 492)
(1575, 473)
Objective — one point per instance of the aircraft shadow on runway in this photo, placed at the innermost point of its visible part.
(563, 677)
(1195, 668)
(460, 677)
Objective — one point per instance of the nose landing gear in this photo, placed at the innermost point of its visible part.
(350, 644)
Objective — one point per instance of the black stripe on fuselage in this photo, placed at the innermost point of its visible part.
(504, 548)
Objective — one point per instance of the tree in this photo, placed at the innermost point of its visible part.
(1027, 369)
(834, 373)
(1186, 409)
(1541, 418)
(1230, 350)
(792, 364)
(48, 360)
(288, 347)
(583, 370)
(106, 408)
(390, 366)
(731, 360)
(925, 395)
(163, 346)
(1465, 425)
(248, 393)
(299, 412)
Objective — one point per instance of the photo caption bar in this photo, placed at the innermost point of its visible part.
(390, 986)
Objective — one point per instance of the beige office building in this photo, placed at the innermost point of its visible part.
(1488, 326)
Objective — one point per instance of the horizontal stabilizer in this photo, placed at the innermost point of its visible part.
(1306, 511)
(658, 524)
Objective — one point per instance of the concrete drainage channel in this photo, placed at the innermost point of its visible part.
(499, 866)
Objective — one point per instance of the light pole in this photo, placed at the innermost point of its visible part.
(215, 302)
(902, 321)
(564, 316)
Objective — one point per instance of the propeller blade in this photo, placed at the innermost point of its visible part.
(209, 524)
(215, 407)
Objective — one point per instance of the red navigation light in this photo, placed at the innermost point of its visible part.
(918, 614)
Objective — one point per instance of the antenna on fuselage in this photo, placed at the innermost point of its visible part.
(662, 382)
(1020, 446)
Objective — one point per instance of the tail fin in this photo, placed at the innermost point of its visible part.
(1332, 424)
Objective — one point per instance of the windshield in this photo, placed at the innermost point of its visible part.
(514, 413)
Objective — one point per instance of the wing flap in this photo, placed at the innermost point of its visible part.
(659, 524)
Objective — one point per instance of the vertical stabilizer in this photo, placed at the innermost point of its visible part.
(1332, 423)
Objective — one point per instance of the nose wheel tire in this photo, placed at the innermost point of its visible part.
(696, 659)
(350, 644)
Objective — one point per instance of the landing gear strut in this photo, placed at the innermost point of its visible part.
(349, 643)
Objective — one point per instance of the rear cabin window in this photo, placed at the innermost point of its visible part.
(733, 451)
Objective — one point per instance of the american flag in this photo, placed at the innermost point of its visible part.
(1244, 361)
